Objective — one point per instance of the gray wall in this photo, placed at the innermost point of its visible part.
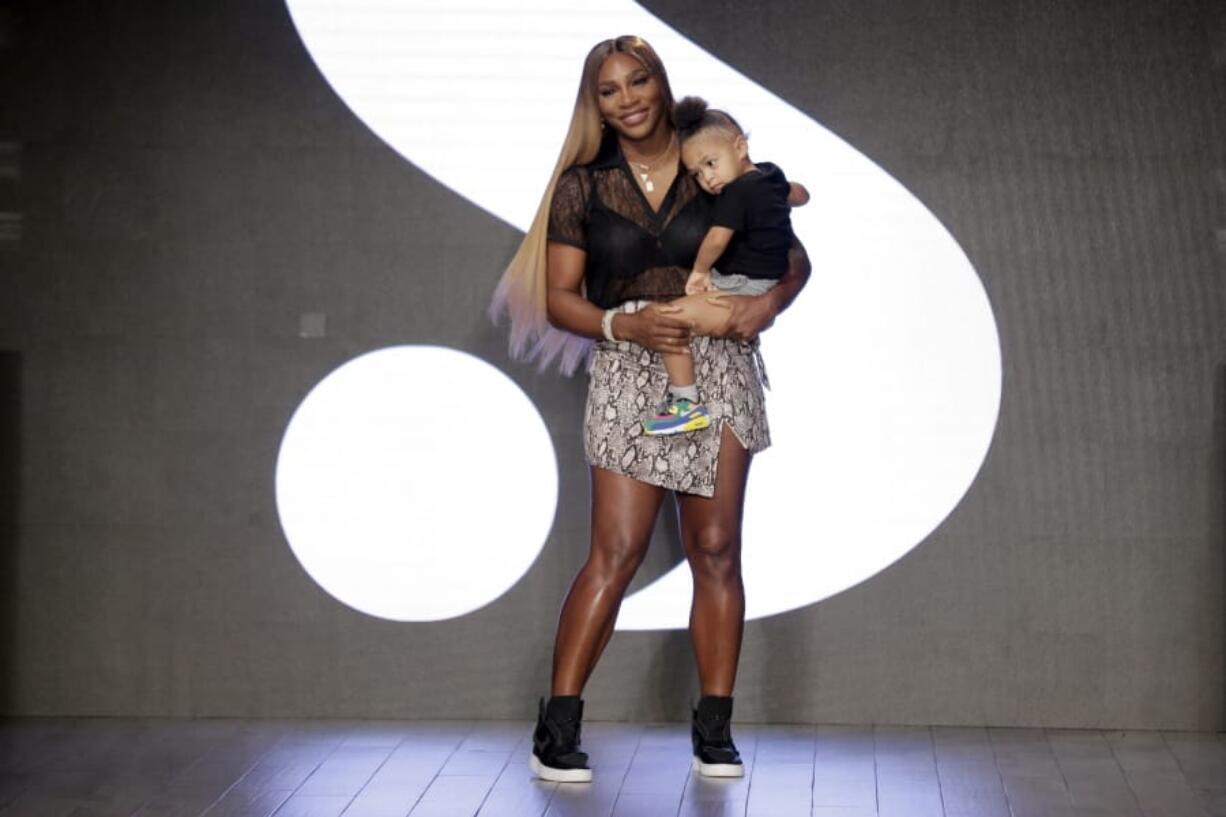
(188, 185)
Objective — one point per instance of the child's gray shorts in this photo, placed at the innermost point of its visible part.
(741, 284)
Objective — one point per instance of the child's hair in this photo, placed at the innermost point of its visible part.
(691, 116)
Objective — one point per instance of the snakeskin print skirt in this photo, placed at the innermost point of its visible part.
(628, 383)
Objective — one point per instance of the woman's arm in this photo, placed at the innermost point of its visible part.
(567, 309)
(794, 280)
(752, 314)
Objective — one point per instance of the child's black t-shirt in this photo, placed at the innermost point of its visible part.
(755, 207)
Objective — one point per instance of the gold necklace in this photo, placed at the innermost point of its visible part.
(647, 169)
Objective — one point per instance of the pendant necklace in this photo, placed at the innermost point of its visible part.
(645, 170)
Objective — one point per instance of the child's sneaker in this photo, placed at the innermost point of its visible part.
(677, 415)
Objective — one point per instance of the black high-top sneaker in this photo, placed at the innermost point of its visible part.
(555, 743)
(715, 754)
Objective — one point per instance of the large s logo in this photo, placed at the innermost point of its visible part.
(886, 371)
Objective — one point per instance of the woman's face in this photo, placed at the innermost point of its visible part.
(630, 97)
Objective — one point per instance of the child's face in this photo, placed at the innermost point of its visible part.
(715, 157)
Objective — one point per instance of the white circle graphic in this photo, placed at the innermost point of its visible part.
(416, 483)
(886, 372)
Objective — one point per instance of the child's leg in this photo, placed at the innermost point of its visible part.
(680, 370)
(705, 317)
(682, 410)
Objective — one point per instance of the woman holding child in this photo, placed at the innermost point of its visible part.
(615, 240)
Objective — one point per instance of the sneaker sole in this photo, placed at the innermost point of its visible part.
(558, 775)
(718, 769)
(693, 425)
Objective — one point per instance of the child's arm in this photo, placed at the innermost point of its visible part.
(798, 196)
(697, 282)
(713, 245)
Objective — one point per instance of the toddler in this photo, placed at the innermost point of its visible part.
(749, 239)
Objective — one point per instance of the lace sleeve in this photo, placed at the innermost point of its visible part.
(568, 210)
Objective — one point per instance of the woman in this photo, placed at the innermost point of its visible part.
(612, 242)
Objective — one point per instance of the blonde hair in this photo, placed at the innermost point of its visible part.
(521, 292)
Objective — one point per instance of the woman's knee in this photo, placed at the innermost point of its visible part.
(715, 549)
(616, 555)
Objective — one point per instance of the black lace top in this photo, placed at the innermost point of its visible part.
(632, 251)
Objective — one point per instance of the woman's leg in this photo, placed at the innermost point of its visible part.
(623, 514)
(711, 536)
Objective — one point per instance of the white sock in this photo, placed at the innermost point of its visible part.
(689, 392)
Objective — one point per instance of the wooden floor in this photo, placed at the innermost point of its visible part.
(50, 768)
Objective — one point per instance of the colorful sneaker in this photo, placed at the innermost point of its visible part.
(677, 416)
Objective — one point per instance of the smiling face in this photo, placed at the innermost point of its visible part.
(631, 98)
(716, 156)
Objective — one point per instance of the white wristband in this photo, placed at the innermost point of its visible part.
(606, 325)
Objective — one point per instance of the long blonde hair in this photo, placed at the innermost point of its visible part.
(521, 292)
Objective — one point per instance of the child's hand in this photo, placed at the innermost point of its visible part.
(697, 282)
(798, 196)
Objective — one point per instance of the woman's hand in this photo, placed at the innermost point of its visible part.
(751, 314)
(656, 327)
(748, 314)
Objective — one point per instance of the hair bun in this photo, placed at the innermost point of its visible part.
(689, 112)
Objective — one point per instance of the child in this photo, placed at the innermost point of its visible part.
(750, 236)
